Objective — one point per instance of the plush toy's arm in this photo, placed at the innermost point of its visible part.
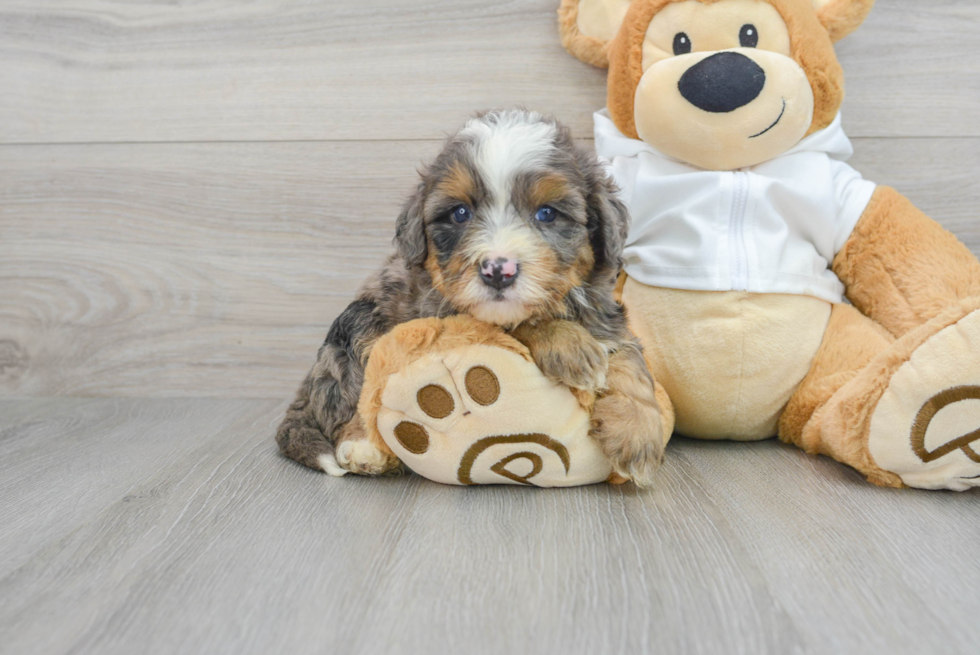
(409, 342)
(462, 402)
(902, 268)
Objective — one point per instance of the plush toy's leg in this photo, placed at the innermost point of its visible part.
(850, 343)
(902, 268)
(902, 412)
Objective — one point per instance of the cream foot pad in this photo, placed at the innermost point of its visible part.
(926, 427)
(485, 415)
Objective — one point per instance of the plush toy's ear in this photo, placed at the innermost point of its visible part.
(410, 230)
(841, 17)
(587, 27)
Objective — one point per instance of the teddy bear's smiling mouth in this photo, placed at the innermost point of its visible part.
(781, 114)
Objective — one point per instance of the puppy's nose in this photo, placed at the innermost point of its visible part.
(722, 82)
(499, 273)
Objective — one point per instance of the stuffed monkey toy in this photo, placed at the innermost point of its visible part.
(775, 291)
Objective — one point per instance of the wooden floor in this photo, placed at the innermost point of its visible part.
(191, 191)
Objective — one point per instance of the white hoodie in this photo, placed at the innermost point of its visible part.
(770, 228)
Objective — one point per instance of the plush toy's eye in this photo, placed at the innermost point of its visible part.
(682, 43)
(462, 214)
(546, 214)
(749, 36)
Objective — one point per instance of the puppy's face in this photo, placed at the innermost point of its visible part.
(511, 217)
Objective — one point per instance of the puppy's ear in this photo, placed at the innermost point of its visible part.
(410, 230)
(609, 223)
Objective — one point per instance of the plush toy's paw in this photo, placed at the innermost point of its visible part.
(926, 426)
(486, 415)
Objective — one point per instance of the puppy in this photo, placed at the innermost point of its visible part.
(517, 226)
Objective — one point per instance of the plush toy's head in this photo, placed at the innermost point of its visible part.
(720, 84)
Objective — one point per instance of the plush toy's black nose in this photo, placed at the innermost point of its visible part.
(722, 82)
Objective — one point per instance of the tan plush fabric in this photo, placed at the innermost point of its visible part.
(737, 365)
(851, 342)
(409, 342)
(671, 124)
(811, 47)
(461, 402)
(842, 17)
(902, 268)
(890, 385)
(926, 426)
(729, 361)
(900, 378)
(587, 26)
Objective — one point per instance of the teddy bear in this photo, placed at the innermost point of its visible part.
(776, 292)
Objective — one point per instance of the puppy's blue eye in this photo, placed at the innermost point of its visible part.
(546, 214)
(462, 214)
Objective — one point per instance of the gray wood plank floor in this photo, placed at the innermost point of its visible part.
(118, 70)
(154, 269)
(218, 545)
(191, 191)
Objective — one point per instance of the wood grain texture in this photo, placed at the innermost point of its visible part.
(65, 460)
(741, 548)
(222, 265)
(214, 70)
(891, 570)
(215, 269)
(210, 182)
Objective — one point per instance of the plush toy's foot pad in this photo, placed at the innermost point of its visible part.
(926, 426)
(485, 415)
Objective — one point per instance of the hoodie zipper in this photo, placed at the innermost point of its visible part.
(736, 231)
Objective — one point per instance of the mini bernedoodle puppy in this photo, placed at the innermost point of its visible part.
(515, 225)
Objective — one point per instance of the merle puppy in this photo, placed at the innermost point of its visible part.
(517, 226)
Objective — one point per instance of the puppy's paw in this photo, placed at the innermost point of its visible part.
(328, 463)
(583, 367)
(567, 354)
(640, 464)
(364, 458)
(631, 436)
